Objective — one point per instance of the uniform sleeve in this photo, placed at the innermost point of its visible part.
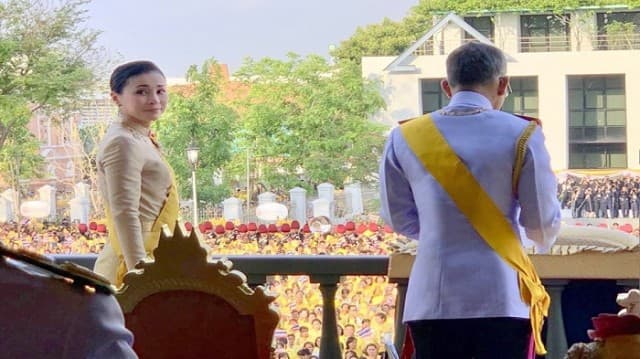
(397, 206)
(98, 330)
(540, 209)
(123, 177)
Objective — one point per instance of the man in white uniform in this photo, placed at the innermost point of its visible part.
(42, 315)
(463, 298)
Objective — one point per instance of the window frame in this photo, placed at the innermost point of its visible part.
(592, 135)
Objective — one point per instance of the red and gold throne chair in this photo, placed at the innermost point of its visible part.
(180, 305)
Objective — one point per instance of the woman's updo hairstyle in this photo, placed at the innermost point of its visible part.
(124, 72)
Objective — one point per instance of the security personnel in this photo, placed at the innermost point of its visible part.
(50, 311)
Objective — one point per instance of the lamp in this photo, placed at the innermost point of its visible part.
(192, 153)
(192, 156)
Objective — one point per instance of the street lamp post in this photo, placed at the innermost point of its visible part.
(192, 156)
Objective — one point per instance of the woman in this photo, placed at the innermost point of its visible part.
(370, 351)
(135, 180)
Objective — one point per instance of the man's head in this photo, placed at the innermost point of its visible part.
(349, 329)
(304, 353)
(478, 67)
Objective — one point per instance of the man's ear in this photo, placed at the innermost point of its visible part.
(503, 82)
(444, 84)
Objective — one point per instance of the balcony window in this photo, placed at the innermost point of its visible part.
(597, 122)
(618, 31)
(484, 25)
(425, 49)
(544, 33)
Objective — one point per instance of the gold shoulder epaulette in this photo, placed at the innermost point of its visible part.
(77, 276)
(407, 120)
(88, 277)
(529, 118)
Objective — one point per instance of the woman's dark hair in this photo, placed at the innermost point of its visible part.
(124, 72)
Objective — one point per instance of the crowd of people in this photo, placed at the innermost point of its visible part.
(365, 304)
(600, 196)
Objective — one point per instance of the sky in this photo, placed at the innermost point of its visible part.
(178, 33)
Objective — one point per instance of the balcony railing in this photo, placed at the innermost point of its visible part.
(545, 43)
(627, 41)
(327, 270)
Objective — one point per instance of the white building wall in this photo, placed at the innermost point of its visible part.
(402, 92)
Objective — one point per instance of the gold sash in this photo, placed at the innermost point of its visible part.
(445, 166)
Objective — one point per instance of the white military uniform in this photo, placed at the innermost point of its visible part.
(456, 274)
(134, 180)
(45, 317)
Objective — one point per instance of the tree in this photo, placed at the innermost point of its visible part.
(89, 135)
(470, 6)
(384, 39)
(47, 62)
(620, 35)
(199, 115)
(46, 56)
(306, 122)
(20, 155)
(391, 38)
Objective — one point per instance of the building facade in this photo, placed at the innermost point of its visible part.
(577, 71)
(63, 143)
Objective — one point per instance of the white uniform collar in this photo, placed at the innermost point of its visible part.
(469, 99)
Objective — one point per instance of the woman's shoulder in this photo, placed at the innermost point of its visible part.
(119, 142)
(118, 135)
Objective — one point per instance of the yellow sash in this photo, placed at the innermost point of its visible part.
(445, 166)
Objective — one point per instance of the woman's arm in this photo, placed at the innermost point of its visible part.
(122, 167)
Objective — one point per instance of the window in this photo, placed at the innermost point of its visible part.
(51, 169)
(597, 121)
(484, 25)
(544, 33)
(618, 31)
(70, 170)
(425, 49)
(523, 99)
(433, 98)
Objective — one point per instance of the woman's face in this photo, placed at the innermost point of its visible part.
(372, 351)
(352, 344)
(143, 99)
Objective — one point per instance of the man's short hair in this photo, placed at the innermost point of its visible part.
(475, 63)
(304, 351)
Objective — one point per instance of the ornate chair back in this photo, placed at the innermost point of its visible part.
(183, 306)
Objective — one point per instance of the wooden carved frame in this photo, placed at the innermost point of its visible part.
(181, 264)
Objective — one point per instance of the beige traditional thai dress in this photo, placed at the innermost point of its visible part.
(140, 196)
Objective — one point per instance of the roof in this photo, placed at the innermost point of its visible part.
(402, 62)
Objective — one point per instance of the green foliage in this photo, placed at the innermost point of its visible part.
(390, 38)
(90, 137)
(620, 35)
(475, 6)
(306, 122)
(386, 38)
(20, 155)
(617, 28)
(45, 53)
(46, 63)
(201, 117)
